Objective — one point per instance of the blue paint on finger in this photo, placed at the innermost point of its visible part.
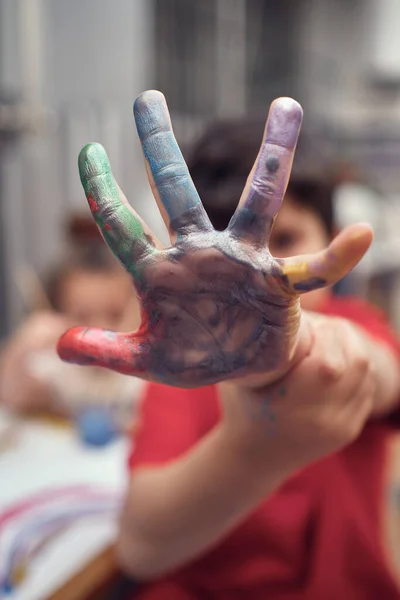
(162, 153)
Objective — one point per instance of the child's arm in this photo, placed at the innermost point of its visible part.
(20, 389)
(176, 511)
(385, 366)
(371, 330)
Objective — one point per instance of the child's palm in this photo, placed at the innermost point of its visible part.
(215, 305)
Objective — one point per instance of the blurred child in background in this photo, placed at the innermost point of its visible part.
(87, 287)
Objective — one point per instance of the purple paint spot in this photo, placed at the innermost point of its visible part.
(272, 163)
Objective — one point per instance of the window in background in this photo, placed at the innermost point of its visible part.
(185, 54)
(224, 57)
(272, 50)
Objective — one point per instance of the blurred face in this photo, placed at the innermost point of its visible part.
(298, 230)
(99, 299)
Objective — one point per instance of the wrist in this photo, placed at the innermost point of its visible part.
(245, 409)
(301, 348)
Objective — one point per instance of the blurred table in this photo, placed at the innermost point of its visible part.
(37, 456)
(377, 277)
(97, 579)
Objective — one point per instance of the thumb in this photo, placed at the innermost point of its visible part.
(307, 273)
(121, 352)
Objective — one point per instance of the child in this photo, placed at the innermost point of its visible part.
(87, 287)
(259, 486)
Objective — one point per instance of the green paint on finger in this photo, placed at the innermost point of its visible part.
(121, 229)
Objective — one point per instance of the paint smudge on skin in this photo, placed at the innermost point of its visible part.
(299, 270)
(299, 277)
(94, 207)
(110, 335)
(308, 285)
(246, 219)
(191, 221)
(261, 411)
(272, 163)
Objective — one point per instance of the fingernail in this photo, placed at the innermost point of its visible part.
(93, 161)
(68, 347)
(284, 122)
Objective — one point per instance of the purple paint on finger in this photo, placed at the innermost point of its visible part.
(272, 170)
(284, 123)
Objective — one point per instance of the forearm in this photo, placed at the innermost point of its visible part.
(175, 512)
(386, 372)
(209, 490)
(19, 389)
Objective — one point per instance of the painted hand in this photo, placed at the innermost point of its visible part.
(215, 305)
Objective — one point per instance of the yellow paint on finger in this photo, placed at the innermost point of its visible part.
(296, 272)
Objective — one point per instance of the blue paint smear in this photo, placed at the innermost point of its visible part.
(167, 165)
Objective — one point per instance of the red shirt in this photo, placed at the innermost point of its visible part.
(319, 537)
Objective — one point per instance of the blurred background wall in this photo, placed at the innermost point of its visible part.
(70, 70)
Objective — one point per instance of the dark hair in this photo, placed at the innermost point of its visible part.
(222, 158)
(92, 257)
